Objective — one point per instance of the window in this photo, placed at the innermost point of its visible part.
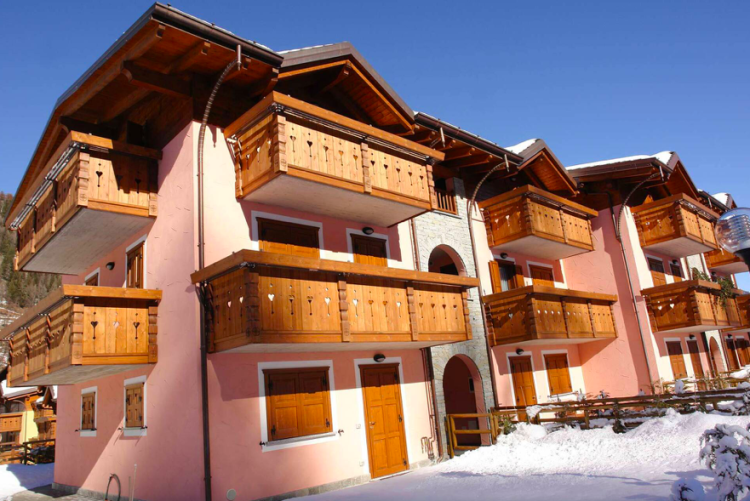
(135, 267)
(676, 359)
(732, 354)
(558, 373)
(92, 279)
(505, 275)
(298, 402)
(134, 398)
(541, 275)
(676, 272)
(288, 238)
(657, 271)
(369, 250)
(88, 412)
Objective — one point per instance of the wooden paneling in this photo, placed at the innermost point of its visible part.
(298, 402)
(104, 180)
(676, 359)
(536, 313)
(11, 422)
(542, 275)
(690, 306)
(558, 373)
(283, 299)
(743, 307)
(726, 262)
(81, 332)
(294, 239)
(370, 250)
(677, 226)
(537, 223)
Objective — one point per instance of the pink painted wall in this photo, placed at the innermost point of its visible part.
(169, 457)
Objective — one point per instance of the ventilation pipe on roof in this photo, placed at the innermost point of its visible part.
(237, 64)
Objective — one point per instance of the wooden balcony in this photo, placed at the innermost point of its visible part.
(79, 333)
(743, 306)
(690, 306)
(535, 314)
(265, 302)
(537, 223)
(725, 262)
(677, 226)
(101, 193)
(292, 154)
(41, 415)
(11, 422)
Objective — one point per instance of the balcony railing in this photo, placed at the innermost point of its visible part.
(11, 422)
(725, 262)
(534, 222)
(537, 314)
(99, 188)
(446, 201)
(292, 154)
(690, 306)
(677, 226)
(259, 301)
(43, 414)
(79, 333)
(743, 306)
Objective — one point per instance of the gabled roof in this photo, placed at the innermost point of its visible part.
(7, 393)
(543, 167)
(665, 157)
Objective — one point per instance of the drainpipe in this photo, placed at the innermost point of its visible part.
(469, 207)
(201, 264)
(616, 221)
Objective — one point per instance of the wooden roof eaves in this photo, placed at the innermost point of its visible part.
(564, 175)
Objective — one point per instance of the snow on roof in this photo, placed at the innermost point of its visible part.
(12, 392)
(662, 156)
(518, 148)
(724, 198)
(306, 48)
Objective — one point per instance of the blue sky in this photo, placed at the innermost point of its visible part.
(596, 80)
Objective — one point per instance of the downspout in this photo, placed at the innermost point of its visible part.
(616, 221)
(236, 64)
(469, 208)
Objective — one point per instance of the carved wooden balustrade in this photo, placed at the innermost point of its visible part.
(102, 191)
(11, 422)
(548, 314)
(534, 222)
(743, 307)
(293, 154)
(81, 332)
(677, 226)
(260, 301)
(690, 306)
(725, 262)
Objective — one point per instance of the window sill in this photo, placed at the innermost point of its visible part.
(87, 433)
(297, 441)
(134, 432)
(564, 397)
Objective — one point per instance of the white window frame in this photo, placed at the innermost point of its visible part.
(98, 274)
(143, 240)
(358, 232)
(275, 445)
(87, 391)
(135, 432)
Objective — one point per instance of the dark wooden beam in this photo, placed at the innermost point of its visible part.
(155, 81)
(471, 161)
(342, 75)
(187, 60)
(128, 101)
(263, 87)
(246, 62)
(72, 124)
(351, 106)
(456, 153)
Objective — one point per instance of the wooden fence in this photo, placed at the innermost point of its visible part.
(33, 451)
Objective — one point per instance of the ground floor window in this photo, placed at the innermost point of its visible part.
(298, 402)
(88, 412)
(134, 405)
(558, 373)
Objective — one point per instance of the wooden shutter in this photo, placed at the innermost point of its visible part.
(558, 374)
(732, 355)
(135, 267)
(495, 278)
(674, 348)
(695, 359)
(281, 237)
(88, 411)
(369, 250)
(297, 403)
(676, 272)
(134, 406)
(657, 271)
(518, 278)
(541, 275)
(742, 351)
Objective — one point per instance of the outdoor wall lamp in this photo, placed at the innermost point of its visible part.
(729, 336)
(519, 351)
(111, 265)
(379, 358)
(675, 262)
(367, 230)
(504, 255)
(691, 336)
(733, 232)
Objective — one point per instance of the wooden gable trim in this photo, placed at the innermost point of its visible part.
(563, 174)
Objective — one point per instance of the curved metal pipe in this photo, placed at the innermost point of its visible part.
(201, 264)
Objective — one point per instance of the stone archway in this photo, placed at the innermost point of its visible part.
(444, 259)
(462, 391)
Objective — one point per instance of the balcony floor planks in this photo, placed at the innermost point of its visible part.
(541, 247)
(75, 374)
(680, 247)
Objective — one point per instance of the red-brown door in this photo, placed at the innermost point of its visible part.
(541, 275)
(523, 380)
(384, 420)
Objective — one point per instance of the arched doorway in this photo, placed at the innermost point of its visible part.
(714, 356)
(462, 390)
(444, 259)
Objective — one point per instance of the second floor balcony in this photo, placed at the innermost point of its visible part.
(690, 306)
(265, 302)
(537, 223)
(539, 314)
(677, 226)
(81, 332)
(11, 422)
(97, 193)
(725, 262)
(292, 154)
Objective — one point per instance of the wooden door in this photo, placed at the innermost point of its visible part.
(558, 374)
(541, 275)
(505, 275)
(732, 354)
(369, 250)
(742, 349)
(135, 268)
(676, 270)
(386, 438)
(695, 359)
(523, 380)
(657, 271)
(288, 238)
(676, 359)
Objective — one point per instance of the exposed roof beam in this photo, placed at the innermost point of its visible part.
(456, 153)
(119, 107)
(73, 124)
(342, 75)
(246, 62)
(263, 87)
(155, 81)
(471, 161)
(188, 59)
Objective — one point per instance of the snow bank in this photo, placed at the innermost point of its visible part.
(16, 478)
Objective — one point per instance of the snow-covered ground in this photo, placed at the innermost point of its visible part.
(532, 465)
(18, 478)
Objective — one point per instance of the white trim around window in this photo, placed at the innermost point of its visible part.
(130, 247)
(86, 391)
(98, 274)
(135, 432)
(255, 237)
(263, 418)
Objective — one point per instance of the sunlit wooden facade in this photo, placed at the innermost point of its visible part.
(725, 262)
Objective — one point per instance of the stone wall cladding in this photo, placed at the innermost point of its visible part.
(439, 228)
